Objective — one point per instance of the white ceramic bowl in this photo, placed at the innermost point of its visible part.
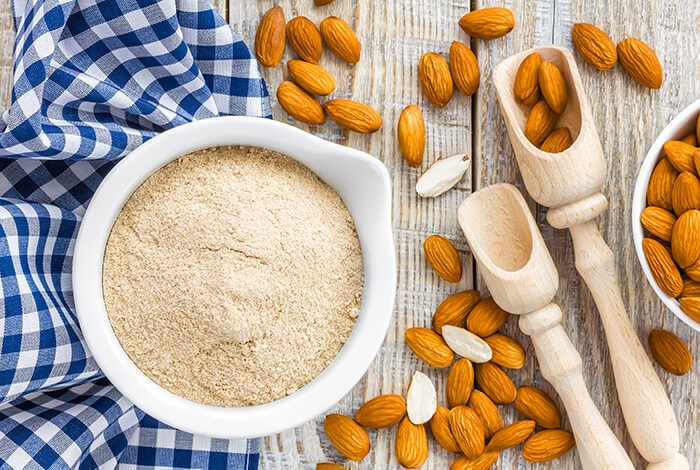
(682, 125)
(363, 183)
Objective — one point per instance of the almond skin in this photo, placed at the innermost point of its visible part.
(686, 193)
(685, 239)
(298, 104)
(506, 351)
(435, 79)
(381, 412)
(526, 84)
(511, 435)
(680, 155)
(467, 430)
(270, 37)
(483, 462)
(690, 288)
(440, 427)
(535, 404)
(347, 436)
(429, 346)
(487, 411)
(305, 38)
(443, 258)
(548, 445)
(341, 39)
(353, 115)
(464, 68)
(455, 309)
(691, 306)
(641, 62)
(658, 222)
(540, 123)
(693, 272)
(488, 23)
(553, 86)
(486, 318)
(411, 135)
(558, 141)
(690, 139)
(662, 267)
(411, 444)
(660, 188)
(311, 77)
(495, 383)
(460, 382)
(670, 352)
(594, 45)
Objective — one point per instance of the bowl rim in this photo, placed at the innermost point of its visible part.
(677, 128)
(325, 390)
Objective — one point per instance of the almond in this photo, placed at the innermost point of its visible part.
(670, 352)
(466, 344)
(685, 239)
(658, 222)
(440, 427)
(435, 79)
(594, 45)
(495, 383)
(506, 351)
(553, 86)
(467, 430)
(455, 309)
(641, 62)
(381, 412)
(526, 84)
(540, 123)
(680, 155)
(686, 193)
(270, 37)
(535, 404)
(697, 129)
(305, 39)
(353, 115)
(347, 436)
(411, 135)
(690, 288)
(691, 307)
(411, 444)
(486, 318)
(329, 466)
(662, 267)
(487, 411)
(558, 141)
(429, 346)
(511, 435)
(443, 257)
(341, 39)
(442, 175)
(464, 68)
(488, 23)
(319, 3)
(696, 161)
(660, 187)
(421, 399)
(298, 104)
(690, 139)
(311, 77)
(460, 382)
(548, 445)
(482, 462)
(693, 272)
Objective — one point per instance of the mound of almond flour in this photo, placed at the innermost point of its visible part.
(233, 276)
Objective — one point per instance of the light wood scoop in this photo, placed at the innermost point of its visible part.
(569, 183)
(520, 274)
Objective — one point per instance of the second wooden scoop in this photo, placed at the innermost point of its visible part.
(520, 274)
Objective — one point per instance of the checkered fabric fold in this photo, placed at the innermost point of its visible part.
(93, 80)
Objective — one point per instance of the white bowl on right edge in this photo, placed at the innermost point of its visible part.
(679, 127)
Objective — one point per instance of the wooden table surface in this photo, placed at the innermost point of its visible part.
(394, 33)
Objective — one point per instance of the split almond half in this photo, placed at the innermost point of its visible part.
(466, 344)
(421, 399)
(442, 175)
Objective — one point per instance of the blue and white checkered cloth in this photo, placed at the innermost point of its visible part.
(92, 80)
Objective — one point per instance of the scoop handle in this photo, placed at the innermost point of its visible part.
(560, 364)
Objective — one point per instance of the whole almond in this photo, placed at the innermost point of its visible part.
(464, 68)
(693, 272)
(658, 222)
(467, 430)
(691, 306)
(690, 288)
(690, 139)
(540, 123)
(548, 445)
(298, 104)
(662, 267)
(670, 352)
(347, 436)
(329, 466)
(440, 427)
(506, 351)
(495, 383)
(487, 411)
(680, 155)
(341, 39)
(660, 187)
(353, 115)
(270, 37)
(535, 404)
(685, 239)
(483, 462)
(411, 135)
(553, 86)
(429, 346)
(381, 412)
(558, 141)
(641, 62)
(486, 318)
(311, 77)
(435, 79)
(305, 39)
(526, 84)
(443, 258)
(455, 309)
(594, 45)
(460, 382)
(488, 23)
(686, 193)
(511, 435)
(411, 444)
(696, 161)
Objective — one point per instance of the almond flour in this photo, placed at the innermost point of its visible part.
(233, 276)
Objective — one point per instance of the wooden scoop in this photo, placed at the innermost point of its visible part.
(522, 278)
(569, 183)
